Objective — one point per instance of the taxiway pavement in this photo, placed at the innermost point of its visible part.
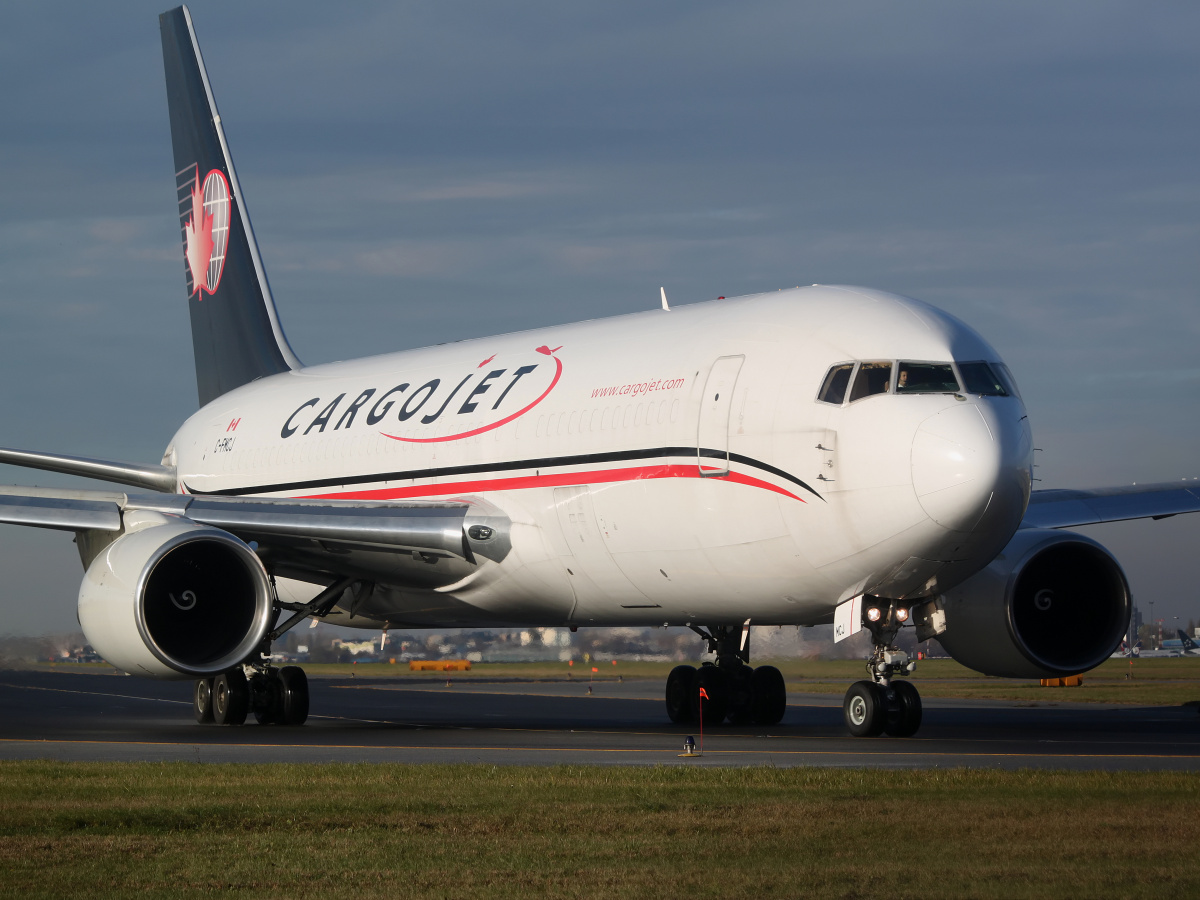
(83, 716)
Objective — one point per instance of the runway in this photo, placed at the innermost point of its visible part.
(76, 716)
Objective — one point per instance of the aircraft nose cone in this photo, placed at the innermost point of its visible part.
(960, 458)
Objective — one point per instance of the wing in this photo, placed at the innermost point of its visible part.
(1068, 509)
(156, 478)
(302, 537)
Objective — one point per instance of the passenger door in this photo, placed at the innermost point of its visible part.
(712, 434)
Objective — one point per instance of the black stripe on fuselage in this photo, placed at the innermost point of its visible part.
(551, 462)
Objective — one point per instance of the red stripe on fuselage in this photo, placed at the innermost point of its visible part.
(557, 479)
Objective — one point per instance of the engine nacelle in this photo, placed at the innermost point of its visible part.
(1052, 603)
(174, 599)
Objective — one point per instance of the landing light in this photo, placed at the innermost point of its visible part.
(902, 614)
(873, 614)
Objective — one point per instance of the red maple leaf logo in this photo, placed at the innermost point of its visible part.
(198, 241)
(547, 351)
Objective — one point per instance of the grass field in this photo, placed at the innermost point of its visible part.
(1171, 681)
(331, 831)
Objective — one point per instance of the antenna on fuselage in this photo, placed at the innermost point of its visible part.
(663, 290)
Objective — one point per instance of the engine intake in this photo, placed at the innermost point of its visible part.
(174, 599)
(1052, 603)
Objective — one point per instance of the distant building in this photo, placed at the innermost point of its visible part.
(354, 648)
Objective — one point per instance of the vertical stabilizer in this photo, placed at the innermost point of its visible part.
(236, 334)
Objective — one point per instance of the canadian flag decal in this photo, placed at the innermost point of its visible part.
(204, 215)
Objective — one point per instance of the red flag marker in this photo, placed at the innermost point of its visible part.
(703, 693)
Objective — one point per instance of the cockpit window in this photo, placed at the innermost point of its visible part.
(836, 381)
(872, 378)
(926, 378)
(980, 378)
(1007, 377)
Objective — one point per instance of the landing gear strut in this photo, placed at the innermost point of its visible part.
(734, 690)
(883, 704)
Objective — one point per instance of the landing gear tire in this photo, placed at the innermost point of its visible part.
(865, 708)
(202, 701)
(715, 683)
(230, 698)
(769, 695)
(681, 687)
(741, 695)
(268, 698)
(293, 685)
(904, 710)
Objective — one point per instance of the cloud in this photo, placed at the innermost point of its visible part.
(484, 190)
(114, 231)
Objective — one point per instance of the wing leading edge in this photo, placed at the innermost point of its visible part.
(143, 475)
(1072, 508)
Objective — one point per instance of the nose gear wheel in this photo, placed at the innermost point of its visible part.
(886, 703)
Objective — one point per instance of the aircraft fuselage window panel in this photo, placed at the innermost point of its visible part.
(979, 378)
(925, 378)
(833, 389)
(872, 378)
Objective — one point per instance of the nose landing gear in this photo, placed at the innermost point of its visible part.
(882, 704)
(733, 689)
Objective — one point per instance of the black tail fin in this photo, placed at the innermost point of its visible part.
(1187, 642)
(236, 334)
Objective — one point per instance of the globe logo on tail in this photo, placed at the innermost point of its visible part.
(205, 215)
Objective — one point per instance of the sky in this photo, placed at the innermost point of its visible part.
(421, 172)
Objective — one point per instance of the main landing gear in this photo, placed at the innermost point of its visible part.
(735, 691)
(882, 704)
(275, 696)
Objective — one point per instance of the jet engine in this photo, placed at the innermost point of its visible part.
(1053, 603)
(174, 599)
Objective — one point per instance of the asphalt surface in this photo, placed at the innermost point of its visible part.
(76, 716)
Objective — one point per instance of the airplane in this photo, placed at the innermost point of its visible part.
(1124, 651)
(1172, 647)
(825, 454)
(1182, 645)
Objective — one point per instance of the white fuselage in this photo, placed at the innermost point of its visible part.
(662, 467)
